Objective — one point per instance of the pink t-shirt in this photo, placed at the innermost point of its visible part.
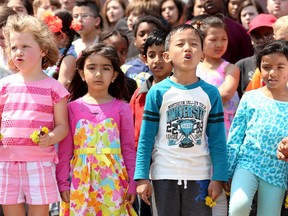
(25, 107)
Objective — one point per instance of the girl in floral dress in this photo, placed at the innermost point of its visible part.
(99, 151)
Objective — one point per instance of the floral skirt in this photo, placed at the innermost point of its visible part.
(99, 185)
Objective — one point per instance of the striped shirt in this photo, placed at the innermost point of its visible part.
(25, 107)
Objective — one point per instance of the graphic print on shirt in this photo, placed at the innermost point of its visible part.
(185, 123)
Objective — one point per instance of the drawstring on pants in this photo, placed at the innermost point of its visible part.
(180, 183)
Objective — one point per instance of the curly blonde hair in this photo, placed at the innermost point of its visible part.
(41, 33)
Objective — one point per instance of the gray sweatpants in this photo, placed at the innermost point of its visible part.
(181, 198)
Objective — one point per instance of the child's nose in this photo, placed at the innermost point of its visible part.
(19, 52)
(158, 58)
(187, 47)
(98, 73)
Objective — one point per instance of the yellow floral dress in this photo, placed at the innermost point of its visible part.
(99, 178)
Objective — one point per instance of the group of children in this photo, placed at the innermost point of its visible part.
(179, 122)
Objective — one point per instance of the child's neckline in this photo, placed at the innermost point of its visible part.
(174, 80)
(264, 92)
(97, 101)
(20, 78)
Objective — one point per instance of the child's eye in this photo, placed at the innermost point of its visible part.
(90, 68)
(123, 52)
(106, 68)
(266, 68)
(179, 44)
(141, 34)
(151, 56)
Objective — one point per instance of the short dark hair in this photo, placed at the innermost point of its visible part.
(90, 4)
(278, 46)
(147, 19)
(156, 38)
(180, 28)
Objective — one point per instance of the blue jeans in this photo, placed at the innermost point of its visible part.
(243, 188)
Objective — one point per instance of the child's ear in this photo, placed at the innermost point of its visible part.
(134, 42)
(81, 73)
(202, 58)
(145, 59)
(97, 22)
(43, 53)
(166, 57)
(115, 74)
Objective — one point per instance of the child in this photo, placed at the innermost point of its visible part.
(137, 69)
(215, 70)
(220, 73)
(21, 7)
(120, 42)
(259, 125)
(153, 54)
(65, 67)
(180, 113)
(280, 28)
(87, 14)
(100, 144)
(42, 6)
(33, 118)
(112, 12)
(172, 11)
(261, 31)
(134, 10)
(67, 5)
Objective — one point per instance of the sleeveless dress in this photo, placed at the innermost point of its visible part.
(99, 178)
(216, 78)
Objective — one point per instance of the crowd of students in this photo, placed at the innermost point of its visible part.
(143, 107)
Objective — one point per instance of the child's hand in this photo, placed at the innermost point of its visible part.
(65, 196)
(144, 189)
(282, 150)
(215, 189)
(227, 187)
(44, 140)
(41, 137)
(131, 198)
